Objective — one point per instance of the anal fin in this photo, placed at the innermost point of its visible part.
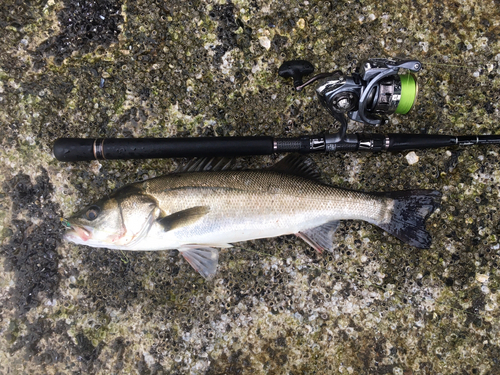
(320, 238)
(203, 259)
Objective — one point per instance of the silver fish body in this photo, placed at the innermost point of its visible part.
(196, 212)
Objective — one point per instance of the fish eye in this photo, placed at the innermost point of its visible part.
(92, 213)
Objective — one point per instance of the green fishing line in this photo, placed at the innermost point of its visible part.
(65, 222)
(408, 93)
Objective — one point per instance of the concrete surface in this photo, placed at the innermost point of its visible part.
(191, 68)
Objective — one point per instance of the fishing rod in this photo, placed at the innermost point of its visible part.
(369, 95)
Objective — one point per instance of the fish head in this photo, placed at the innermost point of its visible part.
(115, 222)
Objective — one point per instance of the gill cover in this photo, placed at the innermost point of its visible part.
(117, 221)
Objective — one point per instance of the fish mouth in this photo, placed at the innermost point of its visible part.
(76, 233)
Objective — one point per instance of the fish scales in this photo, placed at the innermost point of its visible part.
(260, 199)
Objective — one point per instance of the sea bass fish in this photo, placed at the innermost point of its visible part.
(207, 207)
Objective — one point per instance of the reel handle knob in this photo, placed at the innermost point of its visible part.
(295, 69)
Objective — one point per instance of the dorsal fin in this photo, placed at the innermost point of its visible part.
(206, 164)
(298, 165)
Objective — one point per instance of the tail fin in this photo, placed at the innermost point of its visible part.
(411, 209)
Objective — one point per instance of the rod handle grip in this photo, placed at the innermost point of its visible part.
(73, 149)
(85, 149)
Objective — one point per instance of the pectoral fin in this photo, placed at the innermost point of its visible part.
(202, 259)
(320, 238)
(182, 218)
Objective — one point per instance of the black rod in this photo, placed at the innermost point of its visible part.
(84, 149)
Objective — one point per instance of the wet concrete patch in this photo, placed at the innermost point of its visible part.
(31, 251)
(85, 26)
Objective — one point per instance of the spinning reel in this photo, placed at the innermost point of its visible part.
(375, 91)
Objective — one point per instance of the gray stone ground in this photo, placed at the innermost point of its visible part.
(189, 68)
